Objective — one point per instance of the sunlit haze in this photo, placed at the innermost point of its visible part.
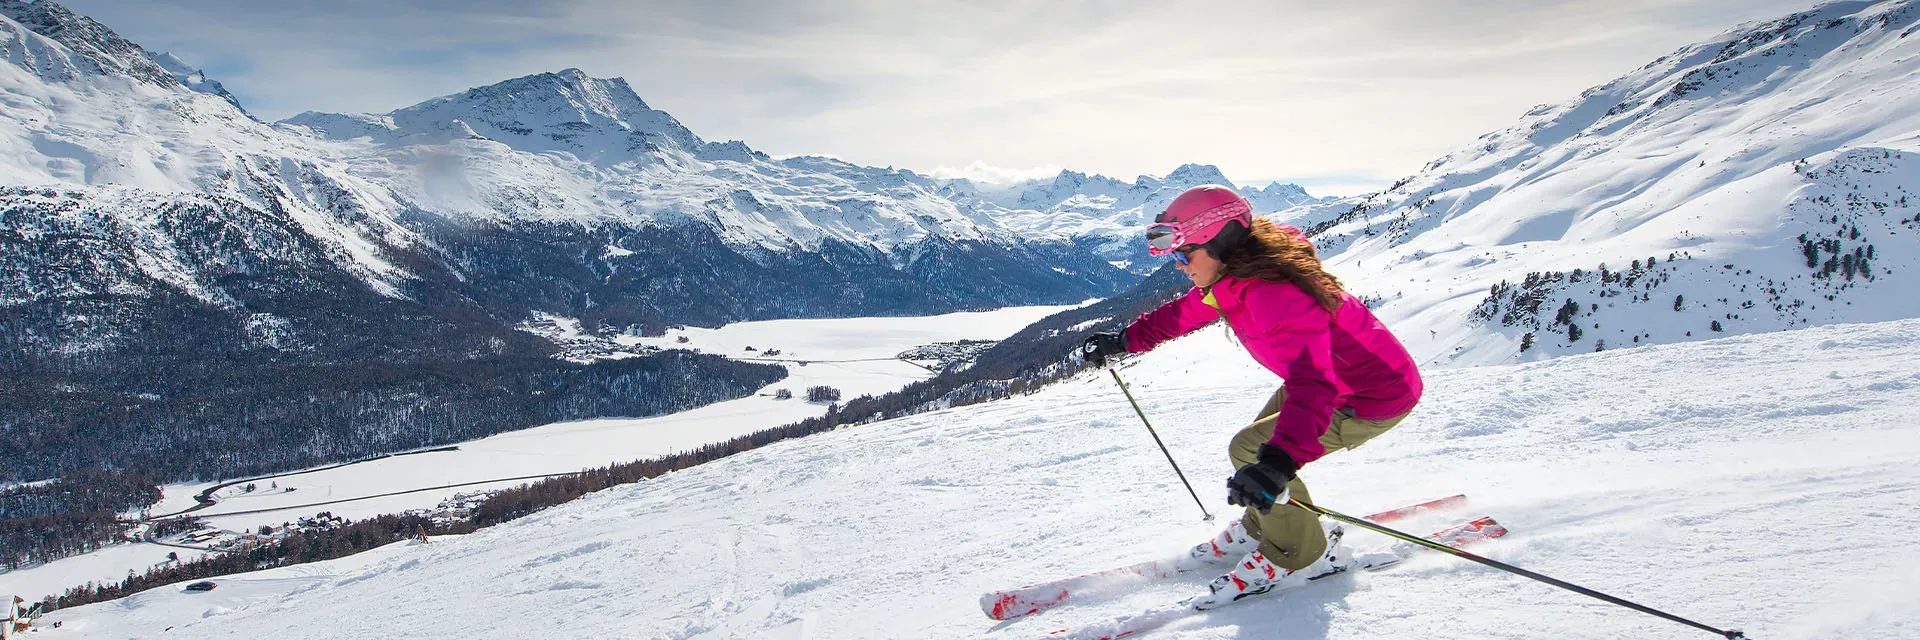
(1341, 98)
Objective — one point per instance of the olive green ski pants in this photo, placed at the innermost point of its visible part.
(1290, 536)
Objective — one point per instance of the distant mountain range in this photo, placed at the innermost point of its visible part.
(1105, 214)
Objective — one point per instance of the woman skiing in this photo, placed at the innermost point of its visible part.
(1346, 378)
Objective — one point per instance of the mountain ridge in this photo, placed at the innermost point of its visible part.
(1706, 162)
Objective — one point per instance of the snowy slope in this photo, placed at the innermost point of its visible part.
(1746, 158)
(1777, 499)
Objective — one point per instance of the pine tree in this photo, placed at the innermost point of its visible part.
(1567, 312)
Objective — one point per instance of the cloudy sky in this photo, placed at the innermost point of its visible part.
(1340, 97)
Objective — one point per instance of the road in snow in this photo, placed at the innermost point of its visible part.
(571, 446)
(1767, 481)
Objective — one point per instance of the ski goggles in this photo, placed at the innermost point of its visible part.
(1163, 237)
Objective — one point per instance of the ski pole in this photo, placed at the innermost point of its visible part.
(1156, 440)
(1730, 634)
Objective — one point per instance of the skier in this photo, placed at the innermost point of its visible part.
(1346, 378)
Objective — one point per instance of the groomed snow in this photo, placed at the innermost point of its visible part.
(1767, 481)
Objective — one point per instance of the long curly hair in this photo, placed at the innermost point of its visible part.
(1273, 254)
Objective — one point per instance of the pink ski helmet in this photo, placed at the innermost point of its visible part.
(1201, 216)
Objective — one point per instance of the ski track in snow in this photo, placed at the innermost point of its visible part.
(1766, 482)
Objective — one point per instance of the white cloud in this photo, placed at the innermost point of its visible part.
(984, 173)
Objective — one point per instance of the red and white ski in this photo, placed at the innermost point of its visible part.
(1155, 617)
(1013, 603)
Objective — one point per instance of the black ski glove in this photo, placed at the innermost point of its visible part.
(1261, 484)
(1100, 345)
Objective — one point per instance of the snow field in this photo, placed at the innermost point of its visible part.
(1766, 482)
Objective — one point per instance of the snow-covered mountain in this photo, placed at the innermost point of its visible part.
(85, 47)
(553, 193)
(1106, 214)
(566, 148)
(580, 175)
(602, 154)
(1760, 180)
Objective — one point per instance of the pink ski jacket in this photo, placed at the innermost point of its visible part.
(1343, 360)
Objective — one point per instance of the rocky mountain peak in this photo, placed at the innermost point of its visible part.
(1067, 184)
(609, 98)
(567, 111)
(1069, 178)
(1280, 196)
(1193, 175)
(193, 78)
(97, 48)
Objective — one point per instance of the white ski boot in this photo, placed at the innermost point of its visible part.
(1232, 542)
(1255, 575)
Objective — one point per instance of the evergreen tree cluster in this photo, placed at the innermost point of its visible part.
(1520, 305)
(35, 539)
(1847, 262)
(69, 516)
(212, 422)
(81, 491)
